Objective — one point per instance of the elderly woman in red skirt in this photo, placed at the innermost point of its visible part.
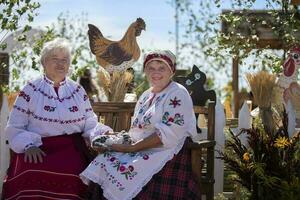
(50, 120)
(156, 165)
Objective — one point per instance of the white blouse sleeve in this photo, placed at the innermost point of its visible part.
(92, 127)
(178, 119)
(18, 137)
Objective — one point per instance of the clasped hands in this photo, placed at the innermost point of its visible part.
(125, 148)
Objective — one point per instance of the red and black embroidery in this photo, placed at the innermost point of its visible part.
(53, 97)
(49, 119)
(85, 97)
(49, 108)
(88, 109)
(24, 95)
(49, 82)
(73, 109)
(175, 102)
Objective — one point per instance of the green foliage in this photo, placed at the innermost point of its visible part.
(75, 30)
(15, 15)
(16, 12)
(267, 164)
(72, 28)
(141, 84)
(202, 39)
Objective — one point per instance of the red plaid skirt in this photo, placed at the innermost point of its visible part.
(55, 178)
(174, 181)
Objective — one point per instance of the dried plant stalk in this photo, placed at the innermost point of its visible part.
(262, 85)
(119, 85)
(115, 85)
(104, 80)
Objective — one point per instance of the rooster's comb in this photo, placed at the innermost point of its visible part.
(140, 21)
(295, 48)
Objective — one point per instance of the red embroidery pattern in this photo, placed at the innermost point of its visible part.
(47, 81)
(45, 119)
(175, 102)
(52, 97)
(88, 109)
(49, 108)
(73, 109)
(24, 95)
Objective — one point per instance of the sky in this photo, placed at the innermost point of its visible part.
(113, 17)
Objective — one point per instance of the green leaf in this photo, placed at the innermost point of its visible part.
(15, 74)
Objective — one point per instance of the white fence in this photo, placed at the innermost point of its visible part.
(4, 149)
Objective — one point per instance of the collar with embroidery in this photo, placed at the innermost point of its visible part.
(47, 80)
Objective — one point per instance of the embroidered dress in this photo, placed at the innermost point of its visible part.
(41, 115)
(170, 115)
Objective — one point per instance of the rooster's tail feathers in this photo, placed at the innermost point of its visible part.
(94, 35)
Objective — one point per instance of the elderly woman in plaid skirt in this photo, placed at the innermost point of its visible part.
(156, 165)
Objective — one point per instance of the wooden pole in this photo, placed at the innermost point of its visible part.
(235, 85)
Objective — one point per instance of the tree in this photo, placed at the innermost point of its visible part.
(202, 39)
(14, 12)
(26, 60)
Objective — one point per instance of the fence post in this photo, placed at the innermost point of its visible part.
(4, 150)
(4, 112)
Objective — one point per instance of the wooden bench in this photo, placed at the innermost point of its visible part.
(118, 116)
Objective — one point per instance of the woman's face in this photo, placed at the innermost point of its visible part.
(56, 65)
(158, 74)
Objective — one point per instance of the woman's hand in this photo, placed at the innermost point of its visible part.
(99, 149)
(110, 133)
(125, 148)
(34, 154)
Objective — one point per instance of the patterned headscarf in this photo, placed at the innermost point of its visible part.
(165, 56)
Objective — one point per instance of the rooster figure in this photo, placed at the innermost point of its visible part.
(287, 87)
(116, 55)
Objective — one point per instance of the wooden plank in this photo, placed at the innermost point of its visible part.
(197, 165)
(235, 85)
(295, 2)
(202, 144)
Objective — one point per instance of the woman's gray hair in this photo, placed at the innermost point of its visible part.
(56, 44)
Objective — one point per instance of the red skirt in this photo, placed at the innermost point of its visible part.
(56, 178)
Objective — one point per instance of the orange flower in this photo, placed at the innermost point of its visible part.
(246, 157)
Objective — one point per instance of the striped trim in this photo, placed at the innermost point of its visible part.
(43, 171)
(21, 194)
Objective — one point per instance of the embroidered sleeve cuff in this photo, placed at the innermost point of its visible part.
(28, 146)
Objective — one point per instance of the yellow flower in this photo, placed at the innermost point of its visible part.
(282, 142)
(246, 157)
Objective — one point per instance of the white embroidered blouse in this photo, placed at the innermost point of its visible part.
(169, 113)
(41, 112)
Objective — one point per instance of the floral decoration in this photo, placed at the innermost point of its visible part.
(175, 102)
(177, 119)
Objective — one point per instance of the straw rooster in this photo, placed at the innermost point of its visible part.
(116, 55)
